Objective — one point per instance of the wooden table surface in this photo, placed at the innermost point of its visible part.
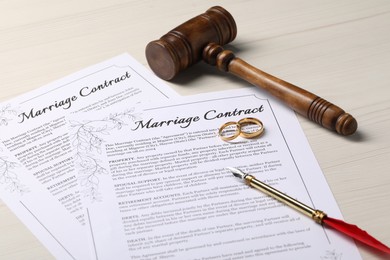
(339, 50)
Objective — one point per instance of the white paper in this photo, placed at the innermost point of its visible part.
(34, 131)
(165, 192)
(37, 209)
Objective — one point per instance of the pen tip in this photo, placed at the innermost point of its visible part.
(236, 172)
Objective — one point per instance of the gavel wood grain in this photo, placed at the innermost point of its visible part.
(201, 38)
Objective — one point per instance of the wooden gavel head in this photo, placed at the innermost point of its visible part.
(183, 46)
(201, 38)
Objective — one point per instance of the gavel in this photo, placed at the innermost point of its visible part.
(202, 37)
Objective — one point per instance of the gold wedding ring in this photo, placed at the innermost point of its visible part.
(229, 131)
(248, 127)
(255, 128)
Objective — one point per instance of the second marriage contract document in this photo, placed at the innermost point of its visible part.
(155, 183)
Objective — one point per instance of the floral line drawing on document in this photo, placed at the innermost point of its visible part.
(87, 140)
(9, 178)
(5, 112)
(331, 255)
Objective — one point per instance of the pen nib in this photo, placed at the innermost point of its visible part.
(236, 172)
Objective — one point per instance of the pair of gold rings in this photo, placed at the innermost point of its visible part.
(248, 127)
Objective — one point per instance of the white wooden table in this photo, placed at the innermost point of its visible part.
(339, 50)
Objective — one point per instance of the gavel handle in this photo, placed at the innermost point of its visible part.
(305, 103)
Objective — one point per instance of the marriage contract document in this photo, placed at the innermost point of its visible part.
(44, 190)
(165, 192)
